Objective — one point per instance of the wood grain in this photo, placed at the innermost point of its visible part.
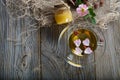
(40, 59)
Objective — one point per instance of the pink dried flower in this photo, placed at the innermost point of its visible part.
(78, 51)
(82, 10)
(88, 51)
(77, 42)
(86, 42)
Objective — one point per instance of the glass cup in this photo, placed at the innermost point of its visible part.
(81, 45)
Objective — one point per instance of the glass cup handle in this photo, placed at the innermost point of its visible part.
(100, 43)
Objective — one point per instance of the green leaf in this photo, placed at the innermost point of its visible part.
(90, 18)
(87, 16)
(90, 7)
(91, 12)
(78, 2)
(93, 20)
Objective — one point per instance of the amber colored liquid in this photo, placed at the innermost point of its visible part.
(63, 16)
(82, 34)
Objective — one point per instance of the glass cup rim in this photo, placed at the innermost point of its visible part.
(66, 29)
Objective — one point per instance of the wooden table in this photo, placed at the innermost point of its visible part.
(39, 59)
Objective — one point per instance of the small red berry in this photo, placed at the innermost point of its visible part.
(76, 32)
(95, 5)
(101, 2)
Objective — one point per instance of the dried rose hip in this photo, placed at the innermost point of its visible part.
(101, 2)
(95, 5)
(76, 32)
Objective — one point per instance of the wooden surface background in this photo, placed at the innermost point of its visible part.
(39, 60)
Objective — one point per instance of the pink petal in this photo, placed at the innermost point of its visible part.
(86, 42)
(77, 42)
(85, 7)
(80, 8)
(88, 51)
(78, 51)
(82, 14)
(86, 12)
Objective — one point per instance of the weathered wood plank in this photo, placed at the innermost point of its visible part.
(18, 61)
(108, 66)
